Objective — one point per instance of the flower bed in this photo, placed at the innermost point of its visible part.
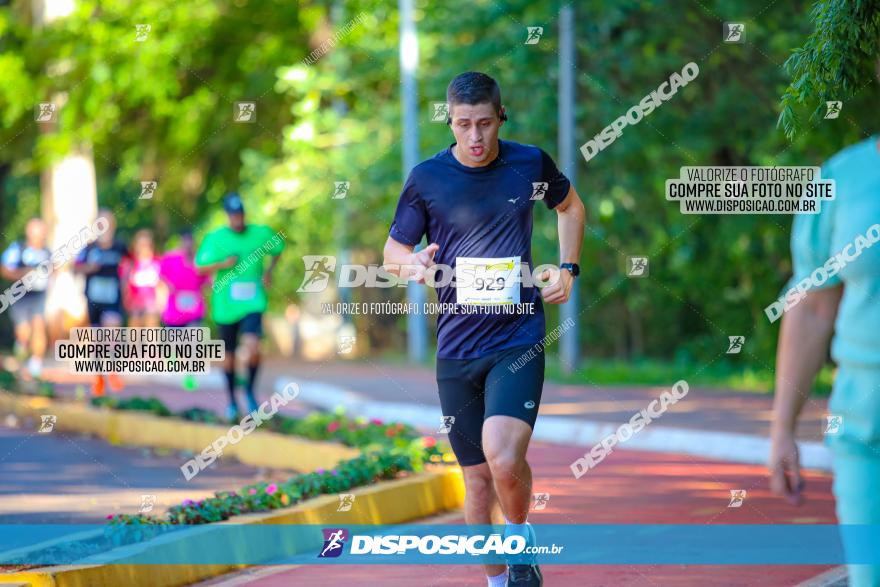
(263, 497)
(327, 426)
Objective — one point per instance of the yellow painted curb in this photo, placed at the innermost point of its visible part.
(260, 448)
(390, 502)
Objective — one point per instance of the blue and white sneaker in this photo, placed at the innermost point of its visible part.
(232, 413)
(522, 570)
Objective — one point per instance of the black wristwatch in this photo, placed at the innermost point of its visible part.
(573, 268)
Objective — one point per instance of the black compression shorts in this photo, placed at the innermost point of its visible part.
(503, 383)
(250, 324)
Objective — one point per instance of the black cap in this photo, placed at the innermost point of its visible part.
(232, 204)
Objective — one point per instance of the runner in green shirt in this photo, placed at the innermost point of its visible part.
(237, 253)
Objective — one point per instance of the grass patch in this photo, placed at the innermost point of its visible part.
(665, 373)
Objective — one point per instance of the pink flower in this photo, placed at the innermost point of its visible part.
(252, 491)
(333, 426)
(272, 488)
(429, 441)
(376, 421)
(110, 516)
(187, 502)
(320, 471)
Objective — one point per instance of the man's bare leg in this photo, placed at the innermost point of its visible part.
(479, 500)
(505, 442)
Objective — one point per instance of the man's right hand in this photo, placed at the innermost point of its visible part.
(229, 262)
(423, 260)
(785, 468)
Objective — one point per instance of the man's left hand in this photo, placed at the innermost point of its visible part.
(558, 292)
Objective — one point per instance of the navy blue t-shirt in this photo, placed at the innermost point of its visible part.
(480, 212)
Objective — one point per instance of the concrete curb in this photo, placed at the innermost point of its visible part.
(724, 446)
(391, 502)
(261, 448)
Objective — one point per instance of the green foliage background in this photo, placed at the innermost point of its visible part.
(163, 109)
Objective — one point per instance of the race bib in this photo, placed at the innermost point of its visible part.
(187, 301)
(487, 280)
(146, 277)
(103, 290)
(41, 283)
(243, 291)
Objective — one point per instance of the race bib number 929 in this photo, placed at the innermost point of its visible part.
(487, 280)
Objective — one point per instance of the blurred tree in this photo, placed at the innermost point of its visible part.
(163, 107)
(838, 60)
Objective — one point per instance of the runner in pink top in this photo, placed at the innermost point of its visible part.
(142, 271)
(186, 304)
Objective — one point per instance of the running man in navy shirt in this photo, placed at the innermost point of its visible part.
(474, 203)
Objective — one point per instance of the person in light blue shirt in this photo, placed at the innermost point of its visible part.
(26, 265)
(837, 250)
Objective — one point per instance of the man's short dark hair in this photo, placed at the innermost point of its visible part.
(473, 87)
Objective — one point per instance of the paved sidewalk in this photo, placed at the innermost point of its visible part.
(67, 478)
(704, 409)
(629, 487)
